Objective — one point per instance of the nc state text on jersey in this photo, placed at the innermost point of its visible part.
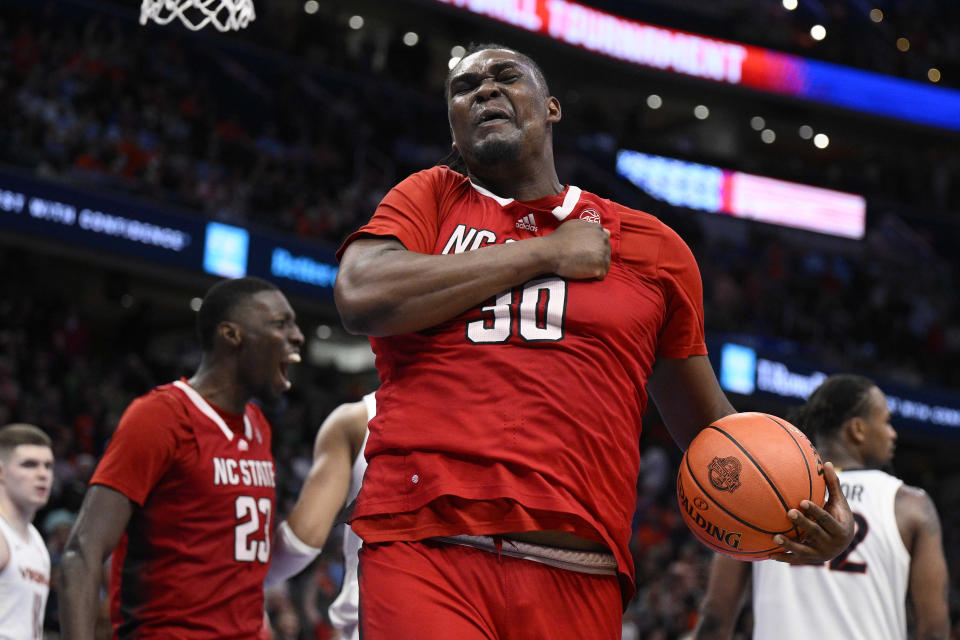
(468, 239)
(250, 473)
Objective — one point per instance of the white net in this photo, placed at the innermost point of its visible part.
(224, 15)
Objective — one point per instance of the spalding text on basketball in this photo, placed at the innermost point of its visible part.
(730, 538)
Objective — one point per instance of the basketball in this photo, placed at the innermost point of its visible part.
(739, 478)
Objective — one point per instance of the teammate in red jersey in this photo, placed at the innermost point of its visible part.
(184, 494)
(518, 325)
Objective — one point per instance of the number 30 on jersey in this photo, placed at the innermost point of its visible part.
(539, 313)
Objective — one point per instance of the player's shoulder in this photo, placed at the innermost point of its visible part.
(647, 242)
(641, 224)
(909, 494)
(349, 418)
(162, 407)
(439, 176)
(347, 423)
(914, 508)
(166, 399)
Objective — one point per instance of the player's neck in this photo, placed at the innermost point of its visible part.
(17, 517)
(840, 457)
(518, 182)
(219, 388)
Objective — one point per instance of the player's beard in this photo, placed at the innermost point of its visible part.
(496, 149)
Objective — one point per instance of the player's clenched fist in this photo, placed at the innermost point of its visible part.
(581, 250)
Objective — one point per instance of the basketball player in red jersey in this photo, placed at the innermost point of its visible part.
(184, 494)
(518, 325)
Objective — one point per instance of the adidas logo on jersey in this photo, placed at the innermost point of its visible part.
(528, 222)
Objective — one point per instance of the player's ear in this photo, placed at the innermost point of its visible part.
(554, 111)
(230, 333)
(857, 428)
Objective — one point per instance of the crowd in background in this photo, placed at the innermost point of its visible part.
(311, 151)
(308, 145)
(303, 143)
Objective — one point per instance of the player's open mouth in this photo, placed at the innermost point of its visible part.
(291, 358)
(492, 117)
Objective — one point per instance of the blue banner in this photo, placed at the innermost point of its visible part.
(145, 232)
(752, 370)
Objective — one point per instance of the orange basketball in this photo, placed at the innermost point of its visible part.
(740, 476)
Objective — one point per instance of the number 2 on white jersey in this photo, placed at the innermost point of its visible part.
(248, 509)
(842, 562)
(541, 313)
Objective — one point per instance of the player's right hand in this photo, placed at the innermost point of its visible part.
(825, 533)
(581, 250)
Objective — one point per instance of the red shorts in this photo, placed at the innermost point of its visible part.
(428, 590)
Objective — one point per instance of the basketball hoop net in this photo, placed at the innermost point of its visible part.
(224, 15)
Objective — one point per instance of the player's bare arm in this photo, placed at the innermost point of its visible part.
(100, 524)
(929, 586)
(325, 490)
(824, 532)
(726, 591)
(323, 494)
(383, 289)
(687, 395)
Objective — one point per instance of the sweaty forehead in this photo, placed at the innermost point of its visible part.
(487, 59)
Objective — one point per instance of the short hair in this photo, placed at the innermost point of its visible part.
(838, 398)
(19, 433)
(220, 301)
(486, 46)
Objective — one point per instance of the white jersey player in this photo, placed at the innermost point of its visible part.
(26, 473)
(334, 481)
(896, 550)
(867, 585)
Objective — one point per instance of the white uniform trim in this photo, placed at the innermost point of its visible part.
(569, 202)
(289, 556)
(486, 192)
(561, 212)
(209, 411)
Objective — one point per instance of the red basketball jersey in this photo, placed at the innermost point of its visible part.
(532, 401)
(192, 561)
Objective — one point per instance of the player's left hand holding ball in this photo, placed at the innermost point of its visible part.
(824, 533)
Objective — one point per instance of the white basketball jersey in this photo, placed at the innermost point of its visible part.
(24, 585)
(344, 612)
(860, 595)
